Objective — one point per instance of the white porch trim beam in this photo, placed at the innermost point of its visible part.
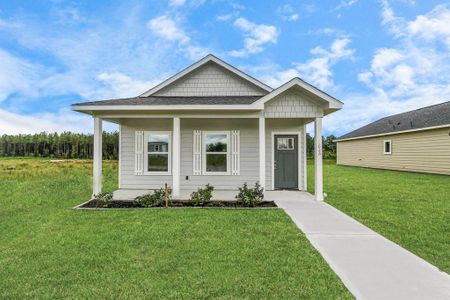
(176, 158)
(262, 151)
(318, 168)
(97, 159)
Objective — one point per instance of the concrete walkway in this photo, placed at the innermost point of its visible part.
(370, 266)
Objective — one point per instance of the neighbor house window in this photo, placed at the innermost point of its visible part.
(157, 152)
(387, 147)
(216, 153)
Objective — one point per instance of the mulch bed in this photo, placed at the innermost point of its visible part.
(181, 203)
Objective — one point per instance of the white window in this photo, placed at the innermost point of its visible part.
(216, 152)
(157, 153)
(285, 143)
(387, 147)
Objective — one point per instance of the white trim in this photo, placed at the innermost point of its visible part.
(138, 152)
(262, 151)
(119, 162)
(206, 115)
(318, 162)
(197, 152)
(204, 134)
(176, 153)
(235, 152)
(392, 133)
(305, 160)
(299, 160)
(201, 62)
(332, 102)
(145, 152)
(390, 147)
(97, 159)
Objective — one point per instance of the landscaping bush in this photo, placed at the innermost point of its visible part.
(157, 199)
(250, 196)
(202, 195)
(103, 200)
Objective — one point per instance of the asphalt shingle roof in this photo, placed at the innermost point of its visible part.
(166, 100)
(430, 116)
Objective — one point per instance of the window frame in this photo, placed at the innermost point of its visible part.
(146, 153)
(287, 143)
(390, 147)
(204, 152)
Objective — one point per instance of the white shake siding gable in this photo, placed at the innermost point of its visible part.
(211, 80)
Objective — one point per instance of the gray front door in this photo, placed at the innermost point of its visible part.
(286, 161)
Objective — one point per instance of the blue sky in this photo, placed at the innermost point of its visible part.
(378, 57)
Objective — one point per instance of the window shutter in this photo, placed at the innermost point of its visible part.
(197, 153)
(235, 145)
(139, 153)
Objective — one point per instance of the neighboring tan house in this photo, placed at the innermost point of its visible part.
(212, 123)
(416, 141)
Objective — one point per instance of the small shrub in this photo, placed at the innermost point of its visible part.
(103, 200)
(202, 195)
(157, 199)
(250, 196)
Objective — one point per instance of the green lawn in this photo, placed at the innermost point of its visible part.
(410, 209)
(49, 250)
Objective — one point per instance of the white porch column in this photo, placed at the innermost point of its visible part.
(262, 151)
(318, 159)
(176, 158)
(97, 181)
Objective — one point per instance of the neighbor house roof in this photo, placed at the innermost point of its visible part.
(176, 100)
(427, 117)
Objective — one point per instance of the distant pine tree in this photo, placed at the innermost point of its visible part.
(63, 145)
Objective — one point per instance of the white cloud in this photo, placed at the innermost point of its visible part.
(287, 13)
(166, 28)
(412, 74)
(256, 37)
(16, 75)
(64, 120)
(119, 85)
(345, 4)
(177, 2)
(229, 16)
(317, 70)
(432, 26)
(277, 78)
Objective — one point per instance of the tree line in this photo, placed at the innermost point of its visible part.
(79, 145)
(328, 146)
(58, 145)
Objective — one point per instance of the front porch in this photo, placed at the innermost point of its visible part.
(256, 158)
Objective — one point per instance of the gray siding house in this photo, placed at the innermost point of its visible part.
(212, 123)
(415, 141)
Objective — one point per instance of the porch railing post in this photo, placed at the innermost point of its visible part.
(318, 159)
(262, 151)
(97, 157)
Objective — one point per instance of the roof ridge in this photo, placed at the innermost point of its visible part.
(417, 109)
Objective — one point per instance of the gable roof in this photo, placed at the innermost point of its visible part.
(157, 99)
(422, 118)
(332, 103)
(207, 59)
